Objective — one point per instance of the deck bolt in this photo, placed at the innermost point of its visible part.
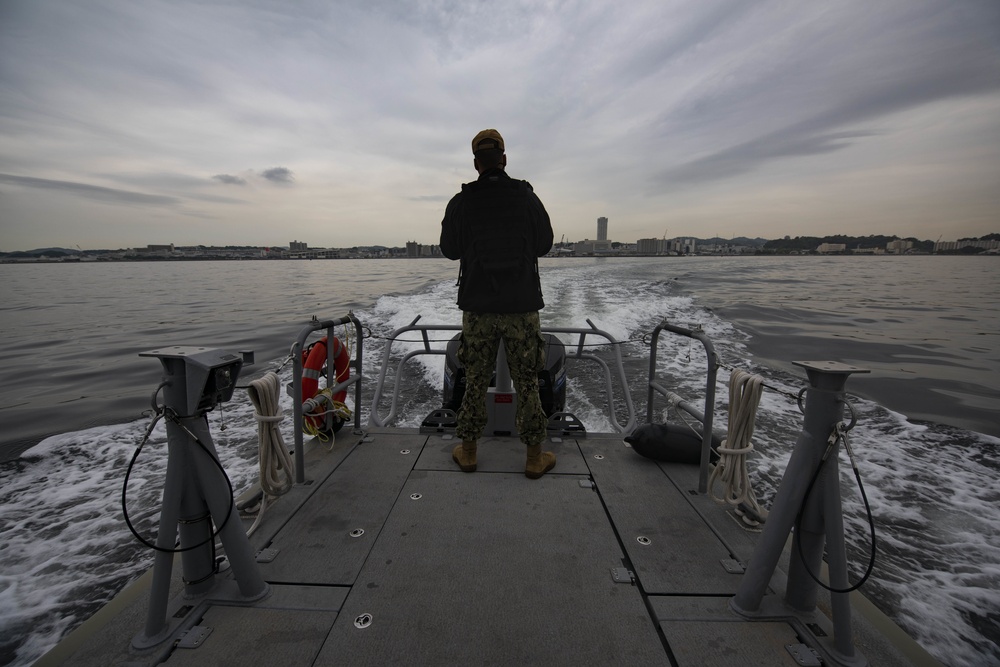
(642, 539)
(357, 532)
(363, 621)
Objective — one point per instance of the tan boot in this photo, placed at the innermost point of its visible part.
(538, 462)
(465, 455)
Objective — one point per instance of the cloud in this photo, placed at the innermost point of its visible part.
(891, 62)
(700, 101)
(215, 199)
(745, 157)
(278, 175)
(96, 192)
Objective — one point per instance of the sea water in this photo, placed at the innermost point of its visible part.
(71, 405)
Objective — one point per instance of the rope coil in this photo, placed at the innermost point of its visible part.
(276, 465)
(316, 407)
(744, 396)
(269, 420)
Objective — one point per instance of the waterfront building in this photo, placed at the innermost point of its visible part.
(649, 246)
(968, 243)
(899, 246)
(684, 246)
(602, 229)
(592, 247)
(151, 251)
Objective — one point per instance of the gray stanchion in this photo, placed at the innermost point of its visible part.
(821, 525)
(195, 491)
(501, 400)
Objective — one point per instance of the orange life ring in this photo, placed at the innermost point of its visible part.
(313, 366)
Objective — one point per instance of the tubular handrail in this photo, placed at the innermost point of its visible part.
(656, 388)
(373, 417)
(575, 351)
(331, 380)
(619, 369)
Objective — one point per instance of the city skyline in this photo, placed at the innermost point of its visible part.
(298, 246)
(126, 122)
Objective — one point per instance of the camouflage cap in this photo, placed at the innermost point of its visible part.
(486, 140)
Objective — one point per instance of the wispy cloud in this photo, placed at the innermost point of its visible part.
(229, 179)
(87, 191)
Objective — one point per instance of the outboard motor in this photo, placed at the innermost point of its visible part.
(551, 379)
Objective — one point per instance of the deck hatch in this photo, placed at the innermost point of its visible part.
(529, 585)
(652, 517)
(319, 547)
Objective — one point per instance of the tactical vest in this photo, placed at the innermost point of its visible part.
(499, 271)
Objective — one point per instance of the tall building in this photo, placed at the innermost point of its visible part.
(649, 246)
(602, 229)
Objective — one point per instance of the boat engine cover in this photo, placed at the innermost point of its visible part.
(551, 379)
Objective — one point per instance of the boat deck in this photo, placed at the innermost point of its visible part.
(390, 554)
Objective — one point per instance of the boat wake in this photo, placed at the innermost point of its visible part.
(934, 490)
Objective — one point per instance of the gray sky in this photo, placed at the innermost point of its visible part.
(129, 122)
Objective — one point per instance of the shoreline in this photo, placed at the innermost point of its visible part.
(115, 260)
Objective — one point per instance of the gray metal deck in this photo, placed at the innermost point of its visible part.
(483, 568)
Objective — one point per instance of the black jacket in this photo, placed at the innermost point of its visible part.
(498, 228)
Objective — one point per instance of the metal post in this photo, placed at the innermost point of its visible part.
(214, 493)
(194, 523)
(195, 492)
(821, 514)
(297, 418)
(501, 400)
(711, 374)
(504, 383)
(156, 615)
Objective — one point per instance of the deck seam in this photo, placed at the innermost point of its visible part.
(627, 562)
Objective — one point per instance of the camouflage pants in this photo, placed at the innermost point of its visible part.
(522, 339)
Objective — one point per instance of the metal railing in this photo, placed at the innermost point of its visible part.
(573, 351)
(296, 386)
(373, 417)
(706, 417)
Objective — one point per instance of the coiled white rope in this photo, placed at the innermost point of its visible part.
(744, 396)
(277, 470)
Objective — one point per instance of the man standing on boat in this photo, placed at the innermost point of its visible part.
(498, 228)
